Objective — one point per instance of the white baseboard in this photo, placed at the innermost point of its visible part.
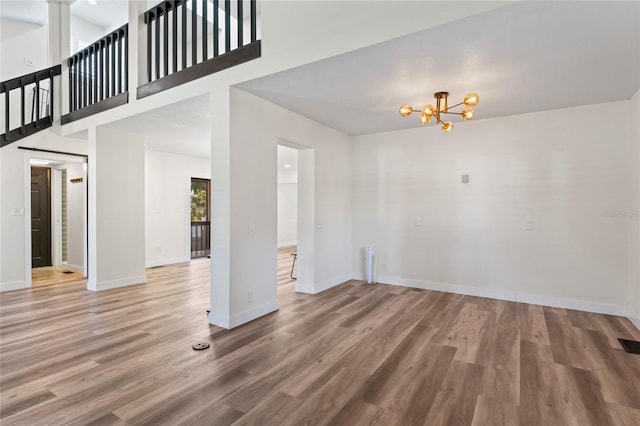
(304, 288)
(326, 285)
(287, 244)
(15, 285)
(508, 295)
(233, 321)
(163, 262)
(320, 287)
(219, 320)
(122, 282)
(635, 319)
(75, 268)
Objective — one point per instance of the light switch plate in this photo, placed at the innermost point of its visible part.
(18, 211)
(465, 178)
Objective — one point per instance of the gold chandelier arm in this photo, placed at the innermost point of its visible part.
(453, 106)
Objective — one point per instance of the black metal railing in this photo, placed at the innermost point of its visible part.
(39, 86)
(185, 34)
(99, 75)
(200, 239)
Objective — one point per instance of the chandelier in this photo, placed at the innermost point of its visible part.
(428, 111)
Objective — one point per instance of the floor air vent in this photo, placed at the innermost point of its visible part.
(631, 346)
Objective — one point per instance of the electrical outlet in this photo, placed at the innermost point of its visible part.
(418, 221)
(251, 231)
(250, 296)
(28, 62)
(383, 267)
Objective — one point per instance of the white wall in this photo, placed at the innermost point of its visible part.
(76, 206)
(21, 41)
(257, 126)
(287, 214)
(563, 171)
(83, 33)
(116, 209)
(633, 213)
(167, 204)
(14, 181)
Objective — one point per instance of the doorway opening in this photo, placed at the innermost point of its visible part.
(200, 218)
(287, 213)
(57, 227)
(296, 217)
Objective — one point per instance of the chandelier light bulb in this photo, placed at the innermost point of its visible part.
(424, 118)
(428, 110)
(447, 126)
(471, 99)
(406, 110)
(467, 114)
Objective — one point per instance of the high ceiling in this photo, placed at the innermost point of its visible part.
(525, 57)
(102, 13)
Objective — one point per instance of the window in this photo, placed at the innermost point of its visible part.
(200, 218)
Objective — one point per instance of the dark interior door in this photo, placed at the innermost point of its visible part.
(40, 217)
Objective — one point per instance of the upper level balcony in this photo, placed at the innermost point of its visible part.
(172, 42)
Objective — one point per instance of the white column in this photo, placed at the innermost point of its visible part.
(116, 209)
(137, 45)
(59, 36)
(244, 254)
(220, 209)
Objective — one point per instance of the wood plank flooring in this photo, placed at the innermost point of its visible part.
(356, 354)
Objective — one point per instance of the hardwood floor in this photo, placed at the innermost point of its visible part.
(51, 275)
(355, 354)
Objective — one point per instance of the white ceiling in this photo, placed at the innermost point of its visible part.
(105, 14)
(108, 14)
(526, 57)
(181, 128)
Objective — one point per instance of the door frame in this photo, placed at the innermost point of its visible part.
(41, 155)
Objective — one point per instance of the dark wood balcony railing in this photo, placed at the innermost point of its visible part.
(188, 39)
(39, 86)
(99, 76)
(200, 239)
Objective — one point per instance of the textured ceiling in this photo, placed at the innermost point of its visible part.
(526, 57)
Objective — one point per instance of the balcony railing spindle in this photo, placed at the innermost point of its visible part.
(227, 26)
(205, 32)
(194, 32)
(240, 24)
(216, 29)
